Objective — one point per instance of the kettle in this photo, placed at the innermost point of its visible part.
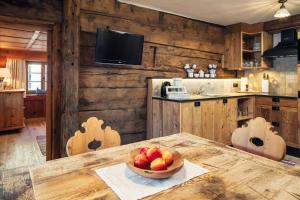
(163, 91)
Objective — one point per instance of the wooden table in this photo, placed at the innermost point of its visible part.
(233, 174)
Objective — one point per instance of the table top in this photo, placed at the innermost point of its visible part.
(234, 174)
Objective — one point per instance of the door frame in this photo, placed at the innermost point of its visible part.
(54, 44)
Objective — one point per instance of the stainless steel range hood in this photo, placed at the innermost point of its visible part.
(286, 48)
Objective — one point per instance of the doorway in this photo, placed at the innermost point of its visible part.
(34, 46)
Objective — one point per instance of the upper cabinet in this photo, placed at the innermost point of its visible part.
(244, 47)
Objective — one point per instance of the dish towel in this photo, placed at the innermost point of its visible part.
(130, 186)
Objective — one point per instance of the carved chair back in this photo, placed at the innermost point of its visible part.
(93, 139)
(258, 137)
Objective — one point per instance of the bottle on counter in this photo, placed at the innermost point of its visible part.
(265, 83)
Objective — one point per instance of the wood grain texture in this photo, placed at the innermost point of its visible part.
(12, 107)
(70, 72)
(124, 88)
(93, 138)
(284, 114)
(233, 174)
(257, 137)
(213, 119)
(49, 10)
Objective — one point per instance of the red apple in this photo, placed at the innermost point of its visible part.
(141, 161)
(144, 150)
(153, 153)
(158, 164)
(167, 157)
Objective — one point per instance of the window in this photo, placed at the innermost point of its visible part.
(36, 76)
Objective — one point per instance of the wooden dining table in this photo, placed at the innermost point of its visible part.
(233, 174)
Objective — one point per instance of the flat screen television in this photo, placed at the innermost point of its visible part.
(115, 47)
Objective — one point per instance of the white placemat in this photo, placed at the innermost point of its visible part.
(130, 186)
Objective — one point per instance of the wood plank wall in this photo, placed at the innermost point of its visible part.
(117, 94)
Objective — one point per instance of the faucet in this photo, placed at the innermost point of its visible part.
(200, 91)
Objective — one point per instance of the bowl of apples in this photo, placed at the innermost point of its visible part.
(155, 163)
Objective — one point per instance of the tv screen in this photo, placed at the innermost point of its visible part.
(117, 47)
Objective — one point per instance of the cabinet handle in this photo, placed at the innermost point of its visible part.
(275, 99)
(225, 101)
(197, 103)
(276, 108)
(276, 124)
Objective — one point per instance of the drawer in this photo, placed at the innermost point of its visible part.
(276, 101)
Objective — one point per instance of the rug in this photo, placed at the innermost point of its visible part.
(41, 140)
(15, 184)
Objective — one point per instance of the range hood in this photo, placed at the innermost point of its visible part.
(286, 48)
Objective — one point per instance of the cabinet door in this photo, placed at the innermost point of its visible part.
(233, 56)
(225, 120)
(288, 126)
(165, 118)
(197, 118)
(170, 118)
(263, 111)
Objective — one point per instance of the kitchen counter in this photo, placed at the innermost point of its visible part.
(226, 95)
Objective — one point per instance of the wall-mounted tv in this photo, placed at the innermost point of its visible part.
(116, 47)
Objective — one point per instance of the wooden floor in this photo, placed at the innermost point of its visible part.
(18, 151)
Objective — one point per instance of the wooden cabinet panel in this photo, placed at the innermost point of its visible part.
(275, 101)
(156, 118)
(171, 118)
(12, 107)
(35, 106)
(165, 118)
(284, 120)
(213, 119)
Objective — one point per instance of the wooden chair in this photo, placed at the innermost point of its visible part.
(258, 138)
(93, 139)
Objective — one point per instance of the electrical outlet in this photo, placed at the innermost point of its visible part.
(235, 85)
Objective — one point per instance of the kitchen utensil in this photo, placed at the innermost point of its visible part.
(172, 169)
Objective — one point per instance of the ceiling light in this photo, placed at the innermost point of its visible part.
(282, 12)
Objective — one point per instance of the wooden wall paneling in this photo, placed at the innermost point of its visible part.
(90, 23)
(142, 15)
(280, 24)
(48, 10)
(178, 40)
(22, 54)
(70, 71)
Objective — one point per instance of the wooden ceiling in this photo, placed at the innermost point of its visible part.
(18, 37)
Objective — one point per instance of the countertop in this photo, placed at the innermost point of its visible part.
(227, 95)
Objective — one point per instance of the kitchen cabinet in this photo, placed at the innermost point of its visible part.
(12, 109)
(244, 46)
(35, 106)
(282, 113)
(211, 119)
(165, 118)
